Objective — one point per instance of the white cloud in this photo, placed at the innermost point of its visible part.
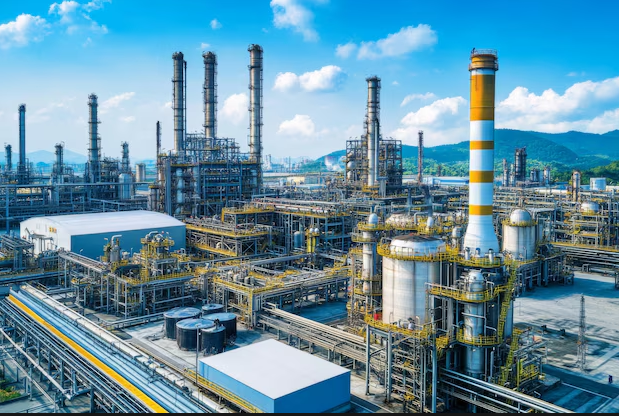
(575, 74)
(344, 51)
(65, 10)
(114, 101)
(95, 5)
(300, 125)
(87, 43)
(23, 30)
(168, 104)
(45, 114)
(290, 14)
(584, 106)
(408, 39)
(395, 83)
(128, 119)
(204, 46)
(327, 78)
(76, 16)
(412, 97)
(235, 108)
(215, 24)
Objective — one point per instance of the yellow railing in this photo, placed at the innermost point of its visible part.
(510, 358)
(227, 253)
(415, 333)
(385, 251)
(479, 341)
(220, 391)
(587, 246)
(360, 238)
(519, 223)
(464, 296)
(233, 233)
(148, 279)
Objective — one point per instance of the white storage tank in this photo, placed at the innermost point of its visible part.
(520, 235)
(597, 184)
(410, 263)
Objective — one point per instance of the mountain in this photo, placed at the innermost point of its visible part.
(602, 145)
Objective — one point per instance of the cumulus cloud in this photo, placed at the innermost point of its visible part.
(407, 40)
(290, 14)
(215, 24)
(204, 46)
(23, 30)
(344, 51)
(300, 125)
(76, 16)
(575, 74)
(586, 106)
(45, 114)
(235, 108)
(128, 119)
(115, 101)
(412, 97)
(395, 83)
(327, 78)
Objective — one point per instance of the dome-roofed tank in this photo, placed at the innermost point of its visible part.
(187, 332)
(409, 264)
(373, 220)
(175, 315)
(210, 308)
(520, 235)
(213, 340)
(590, 207)
(519, 216)
(226, 319)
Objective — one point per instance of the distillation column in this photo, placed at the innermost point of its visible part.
(94, 151)
(8, 152)
(178, 102)
(420, 158)
(124, 163)
(505, 173)
(59, 166)
(480, 231)
(21, 167)
(255, 109)
(373, 128)
(210, 94)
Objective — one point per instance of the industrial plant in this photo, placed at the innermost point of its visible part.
(206, 285)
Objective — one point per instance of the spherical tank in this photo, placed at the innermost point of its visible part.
(187, 332)
(213, 340)
(404, 281)
(209, 308)
(171, 317)
(520, 235)
(226, 319)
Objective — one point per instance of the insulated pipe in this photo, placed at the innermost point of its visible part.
(480, 232)
(373, 128)
(22, 138)
(255, 109)
(210, 94)
(178, 101)
(94, 152)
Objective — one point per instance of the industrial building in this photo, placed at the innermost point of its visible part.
(389, 294)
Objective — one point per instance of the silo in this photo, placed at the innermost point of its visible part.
(140, 172)
(171, 317)
(226, 319)
(520, 235)
(409, 262)
(210, 308)
(213, 340)
(187, 332)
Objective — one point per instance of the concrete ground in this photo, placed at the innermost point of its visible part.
(558, 307)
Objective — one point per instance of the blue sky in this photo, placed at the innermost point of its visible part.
(558, 68)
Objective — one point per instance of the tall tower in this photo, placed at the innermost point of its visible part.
(94, 148)
(21, 166)
(420, 158)
(480, 231)
(178, 101)
(373, 128)
(124, 163)
(210, 94)
(255, 108)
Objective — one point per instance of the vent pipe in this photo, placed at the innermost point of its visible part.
(420, 158)
(124, 164)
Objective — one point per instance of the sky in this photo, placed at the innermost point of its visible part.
(558, 70)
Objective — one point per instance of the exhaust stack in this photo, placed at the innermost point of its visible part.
(480, 232)
(255, 108)
(125, 166)
(373, 128)
(210, 94)
(94, 150)
(178, 101)
(21, 167)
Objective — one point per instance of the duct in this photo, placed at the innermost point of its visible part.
(255, 109)
(210, 94)
(178, 101)
(373, 128)
(94, 150)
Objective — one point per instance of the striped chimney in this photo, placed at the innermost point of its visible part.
(480, 232)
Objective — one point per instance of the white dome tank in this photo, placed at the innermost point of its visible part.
(373, 220)
(520, 235)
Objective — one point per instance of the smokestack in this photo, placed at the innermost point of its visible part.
(480, 231)
(21, 167)
(94, 151)
(373, 127)
(255, 107)
(178, 101)
(210, 94)
(124, 163)
(8, 152)
(420, 158)
(58, 169)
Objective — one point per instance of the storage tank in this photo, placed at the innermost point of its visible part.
(474, 324)
(187, 332)
(226, 319)
(597, 184)
(409, 262)
(297, 239)
(213, 340)
(520, 235)
(210, 308)
(590, 207)
(124, 186)
(140, 172)
(171, 317)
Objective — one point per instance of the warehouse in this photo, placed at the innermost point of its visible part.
(277, 378)
(86, 234)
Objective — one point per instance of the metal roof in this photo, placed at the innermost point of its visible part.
(103, 222)
(274, 369)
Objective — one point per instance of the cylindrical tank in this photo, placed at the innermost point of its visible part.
(520, 235)
(210, 308)
(187, 332)
(404, 281)
(474, 325)
(226, 319)
(298, 239)
(213, 340)
(171, 317)
(590, 207)
(153, 198)
(124, 184)
(597, 184)
(140, 172)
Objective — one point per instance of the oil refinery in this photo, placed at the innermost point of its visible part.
(206, 286)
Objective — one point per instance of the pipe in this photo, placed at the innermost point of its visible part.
(255, 110)
(480, 232)
(373, 128)
(94, 150)
(210, 94)
(178, 102)
(420, 158)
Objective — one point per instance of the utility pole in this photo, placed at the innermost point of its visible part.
(582, 341)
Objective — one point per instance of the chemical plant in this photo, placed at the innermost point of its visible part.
(206, 287)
